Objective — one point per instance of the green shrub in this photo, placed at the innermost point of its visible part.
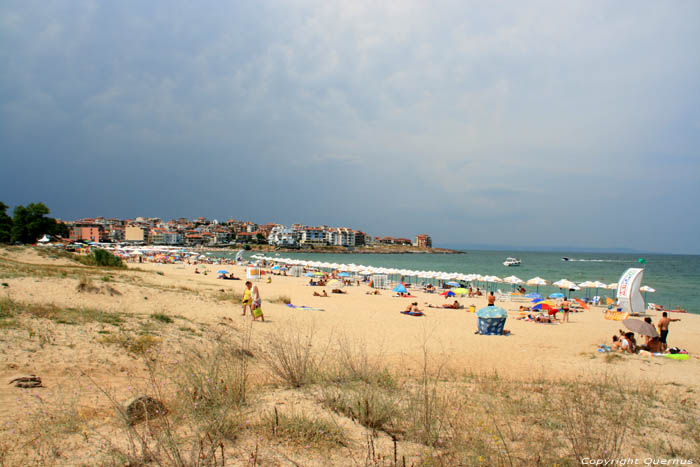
(107, 259)
(162, 317)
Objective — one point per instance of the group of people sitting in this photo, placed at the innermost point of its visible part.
(627, 343)
(324, 294)
(318, 283)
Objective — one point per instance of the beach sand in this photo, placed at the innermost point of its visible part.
(566, 351)
(563, 350)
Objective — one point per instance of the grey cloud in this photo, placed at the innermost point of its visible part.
(395, 118)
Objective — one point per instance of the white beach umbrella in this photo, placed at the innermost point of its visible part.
(512, 280)
(563, 283)
(537, 281)
(645, 289)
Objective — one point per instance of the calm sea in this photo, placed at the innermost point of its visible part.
(676, 278)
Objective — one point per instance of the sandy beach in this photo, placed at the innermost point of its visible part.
(560, 351)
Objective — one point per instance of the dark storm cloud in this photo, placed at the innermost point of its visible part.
(447, 118)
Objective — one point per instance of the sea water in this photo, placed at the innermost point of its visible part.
(676, 278)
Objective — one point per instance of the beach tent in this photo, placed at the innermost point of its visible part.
(253, 273)
(400, 289)
(491, 320)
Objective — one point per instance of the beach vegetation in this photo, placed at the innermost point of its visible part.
(291, 357)
(106, 259)
(228, 296)
(30, 222)
(303, 428)
(132, 343)
(369, 405)
(203, 413)
(283, 299)
(163, 318)
(61, 315)
(5, 224)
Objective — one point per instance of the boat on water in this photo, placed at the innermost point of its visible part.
(512, 262)
(566, 258)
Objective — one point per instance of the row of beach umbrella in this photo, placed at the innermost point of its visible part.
(449, 278)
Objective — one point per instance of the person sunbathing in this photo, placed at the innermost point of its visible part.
(337, 291)
(372, 292)
(628, 343)
(615, 343)
(454, 306)
(543, 319)
(654, 345)
(323, 294)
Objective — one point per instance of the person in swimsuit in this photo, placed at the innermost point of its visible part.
(663, 328)
(565, 310)
(491, 299)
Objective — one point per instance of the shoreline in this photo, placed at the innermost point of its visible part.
(346, 251)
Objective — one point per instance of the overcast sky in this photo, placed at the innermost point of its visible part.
(520, 123)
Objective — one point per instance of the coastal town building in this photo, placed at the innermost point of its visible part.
(135, 233)
(203, 232)
(424, 241)
(281, 236)
(88, 233)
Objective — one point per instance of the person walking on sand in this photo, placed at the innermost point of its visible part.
(565, 310)
(491, 299)
(247, 298)
(256, 307)
(663, 328)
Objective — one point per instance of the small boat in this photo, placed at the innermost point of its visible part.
(565, 258)
(512, 262)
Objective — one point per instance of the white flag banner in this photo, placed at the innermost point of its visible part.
(628, 295)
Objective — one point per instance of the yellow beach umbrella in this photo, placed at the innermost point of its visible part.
(460, 291)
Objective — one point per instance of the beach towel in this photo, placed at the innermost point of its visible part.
(412, 313)
(304, 307)
(614, 315)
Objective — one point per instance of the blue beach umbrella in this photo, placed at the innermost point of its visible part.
(400, 289)
(557, 295)
(344, 274)
(453, 284)
(223, 271)
(533, 295)
(276, 268)
(310, 274)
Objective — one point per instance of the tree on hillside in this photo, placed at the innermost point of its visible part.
(30, 223)
(5, 224)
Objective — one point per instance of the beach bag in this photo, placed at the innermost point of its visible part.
(256, 309)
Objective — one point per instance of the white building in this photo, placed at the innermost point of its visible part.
(282, 236)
